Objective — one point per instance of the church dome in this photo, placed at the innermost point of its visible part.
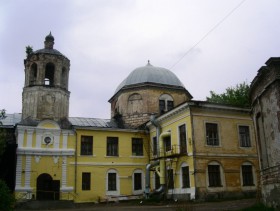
(150, 74)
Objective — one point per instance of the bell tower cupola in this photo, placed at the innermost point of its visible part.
(45, 93)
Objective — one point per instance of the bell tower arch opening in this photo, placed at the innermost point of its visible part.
(49, 74)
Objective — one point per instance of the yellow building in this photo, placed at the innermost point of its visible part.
(216, 143)
(158, 141)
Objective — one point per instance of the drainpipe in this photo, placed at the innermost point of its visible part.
(162, 165)
(156, 124)
(151, 165)
(148, 182)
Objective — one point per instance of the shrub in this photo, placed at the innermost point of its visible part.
(6, 198)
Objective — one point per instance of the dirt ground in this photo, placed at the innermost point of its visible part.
(209, 206)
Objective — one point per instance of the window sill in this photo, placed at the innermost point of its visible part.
(137, 156)
(88, 155)
(112, 156)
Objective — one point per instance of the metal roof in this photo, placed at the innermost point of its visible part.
(11, 120)
(49, 51)
(91, 122)
(152, 74)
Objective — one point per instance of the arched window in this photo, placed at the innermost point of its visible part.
(63, 81)
(165, 103)
(247, 174)
(49, 74)
(33, 74)
(138, 181)
(112, 182)
(215, 175)
(135, 103)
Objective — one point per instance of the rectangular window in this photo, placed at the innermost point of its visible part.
(244, 136)
(183, 137)
(247, 175)
(167, 142)
(86, 145)
(137, 146)
(214, 176)
(154, 145)
(170, 105)
(212, 135)
(137, 181)
(85, 181)
(170, 180)
(185, 177)
(112, 181)
(112, 146)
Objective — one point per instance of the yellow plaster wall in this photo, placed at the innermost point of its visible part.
(98, 164)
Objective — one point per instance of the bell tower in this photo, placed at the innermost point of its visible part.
(45, 93)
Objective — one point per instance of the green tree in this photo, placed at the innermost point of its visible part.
(236, 96)
(2, 133)
(6, 198)
(28, 50)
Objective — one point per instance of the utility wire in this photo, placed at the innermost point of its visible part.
(210, 31)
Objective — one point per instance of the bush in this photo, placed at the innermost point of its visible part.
(6, 198)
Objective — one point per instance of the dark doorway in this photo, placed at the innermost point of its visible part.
(47, 188)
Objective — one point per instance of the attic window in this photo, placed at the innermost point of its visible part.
(165, 103)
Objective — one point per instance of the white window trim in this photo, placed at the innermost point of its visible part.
(250, 135)
(181, 175)
(116, 192)
(219, 133)
(137, 192)
(247, 188)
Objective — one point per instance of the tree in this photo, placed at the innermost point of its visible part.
(236, 96)
(6, 198)
(28, 50)
(2, 133)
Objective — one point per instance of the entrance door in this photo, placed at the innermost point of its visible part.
(47, 188)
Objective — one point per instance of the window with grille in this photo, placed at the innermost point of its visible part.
(85, 181)
(247, 175)
(86, 145)
(183, 137)
(185, 177)
(112, 181)
(112, 146)
(212, 135)
(137, 146)
(244, 136)
(214, 176)
(137, 181)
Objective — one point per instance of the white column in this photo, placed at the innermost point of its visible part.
(64, 172)
(56, 140)
(64, 143)
(18, 172)
(20, 138)
(38, 138)
(29, 137)
(27, 171)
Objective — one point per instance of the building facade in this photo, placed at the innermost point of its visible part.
(158, 142)
(265, 97)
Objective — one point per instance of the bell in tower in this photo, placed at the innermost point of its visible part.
(45, 93)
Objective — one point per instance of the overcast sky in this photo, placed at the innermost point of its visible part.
(107, 39)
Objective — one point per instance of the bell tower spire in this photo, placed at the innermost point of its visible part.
(45, 93)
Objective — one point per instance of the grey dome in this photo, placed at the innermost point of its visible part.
(150, 74)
